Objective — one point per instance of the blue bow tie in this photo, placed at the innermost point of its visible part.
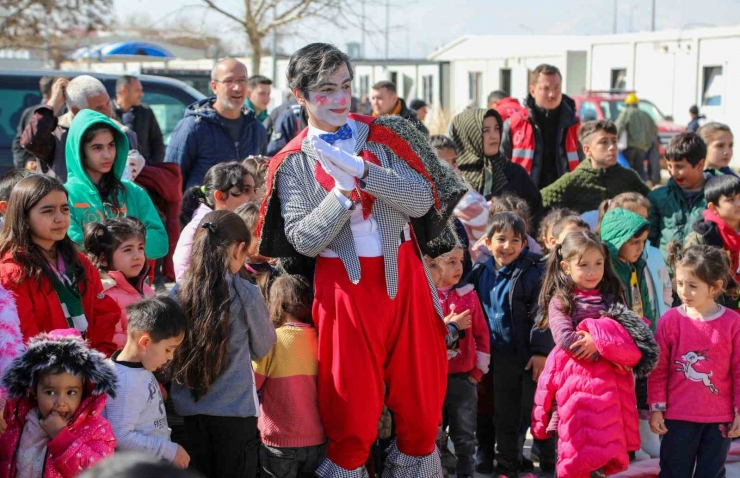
(345, 132)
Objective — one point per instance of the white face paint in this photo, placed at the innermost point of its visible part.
(328, 104)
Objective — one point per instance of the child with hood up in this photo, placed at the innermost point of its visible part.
(96, 154)
(625, 233)
(57, 392)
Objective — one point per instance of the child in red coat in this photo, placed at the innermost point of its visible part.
(468, 362)
(54, 286)
(57, 391)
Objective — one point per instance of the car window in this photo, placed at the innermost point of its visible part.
(168, 105)
(587, 111)
(16, 94)
(610, 109)
(651, 110)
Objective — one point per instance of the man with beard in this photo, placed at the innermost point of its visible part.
(359, 194)
(543, 138)
(217, 129)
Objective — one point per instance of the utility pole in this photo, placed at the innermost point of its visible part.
(274, 47)
(652, 23)
(362, 43)
(387, 28)
(614, 28)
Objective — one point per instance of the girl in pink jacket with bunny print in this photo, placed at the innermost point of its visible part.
(586, 393)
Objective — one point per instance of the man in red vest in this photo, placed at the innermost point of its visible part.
(543, 138)
(503, 103)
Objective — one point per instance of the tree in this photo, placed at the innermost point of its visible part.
(260, 17)
(24, 20)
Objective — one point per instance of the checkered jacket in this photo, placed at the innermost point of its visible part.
(315, 219)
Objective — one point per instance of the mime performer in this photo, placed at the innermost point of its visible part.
(360, 194)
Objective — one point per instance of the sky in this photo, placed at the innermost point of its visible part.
(418, 27)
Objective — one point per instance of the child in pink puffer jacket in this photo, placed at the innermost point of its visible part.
(586, 393)
(57, 392)
(116, 248)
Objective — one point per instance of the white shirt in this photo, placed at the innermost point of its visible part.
(365, 231)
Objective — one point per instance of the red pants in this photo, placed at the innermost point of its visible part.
(365, 340)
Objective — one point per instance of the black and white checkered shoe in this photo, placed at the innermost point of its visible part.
(398, 465)
(329, 469)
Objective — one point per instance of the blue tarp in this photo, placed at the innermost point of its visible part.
(128, 49)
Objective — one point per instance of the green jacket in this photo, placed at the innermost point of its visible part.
(85, 202)
(671, 215)
(260, 117)
(640, 127)
(585, 188)
(617, 227)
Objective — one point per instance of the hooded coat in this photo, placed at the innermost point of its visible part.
(595, 400)
(490, 175)
(201, 140)
(86, 204)
(88, 437)
(617, 227)
(123, 291)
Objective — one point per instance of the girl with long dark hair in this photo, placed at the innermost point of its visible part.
(96, 157)
(228, 327)
(55, 287)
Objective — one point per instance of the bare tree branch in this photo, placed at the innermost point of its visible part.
(261, 17)
(223, 12)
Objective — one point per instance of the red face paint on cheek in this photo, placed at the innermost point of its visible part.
(321, 100)
(343, 101)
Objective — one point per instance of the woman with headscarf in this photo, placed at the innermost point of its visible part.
(477, 135)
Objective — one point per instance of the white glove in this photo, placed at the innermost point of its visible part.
(342, 180)
(349, 163)
(135, 162)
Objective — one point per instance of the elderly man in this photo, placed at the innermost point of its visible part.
(543, 137)
(46, 135)
(217, 129)
(139, 117)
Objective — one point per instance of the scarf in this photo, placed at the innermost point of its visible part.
(396, 110)
(31, 453)
(69, 295)
(485, 174)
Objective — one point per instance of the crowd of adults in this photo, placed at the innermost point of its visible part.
(538, 138)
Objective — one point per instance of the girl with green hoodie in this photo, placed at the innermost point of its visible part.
(96, 154)
(625, 233)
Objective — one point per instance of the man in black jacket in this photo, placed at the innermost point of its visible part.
(385, 102)
(130, 111)
(21, 156)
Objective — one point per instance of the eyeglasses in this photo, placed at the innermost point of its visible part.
(230, 83)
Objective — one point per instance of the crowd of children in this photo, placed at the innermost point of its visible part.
(613, 334)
